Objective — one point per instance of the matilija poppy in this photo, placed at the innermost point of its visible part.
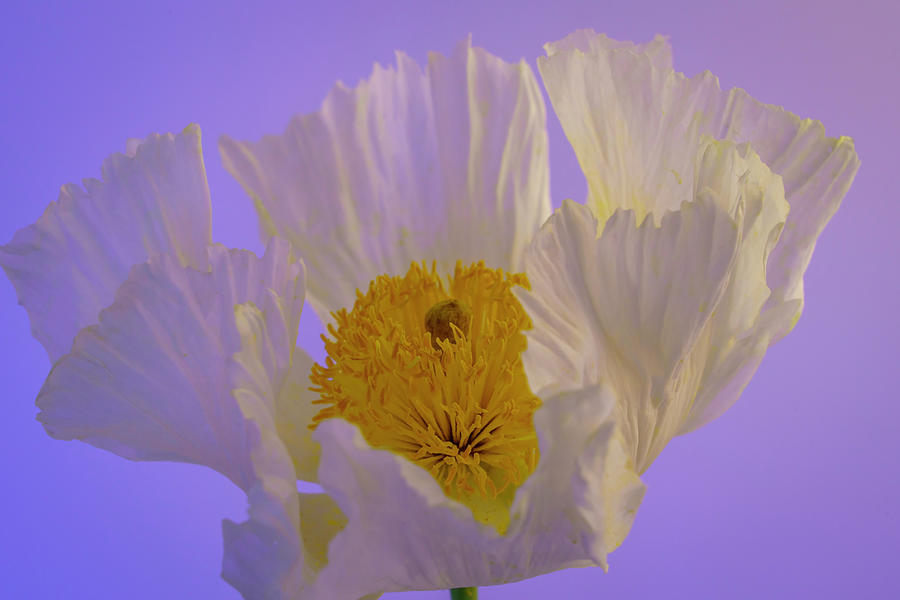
(497, 377)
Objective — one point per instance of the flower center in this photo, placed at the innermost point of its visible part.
(434, 373)
(443, 316)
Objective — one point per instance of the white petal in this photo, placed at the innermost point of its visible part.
(588, 41)
(403, 533)
(294, 410)
(635, 126)
(274, 554)
(585, 463)
(817, 172)
(655, 310)
(594, 297)
(153, 380)
(275, 374)
(68, 265)
(263, 555)
(283, 542)
(445, 165)
(746, 320)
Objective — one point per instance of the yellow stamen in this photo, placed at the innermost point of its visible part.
(435, 375)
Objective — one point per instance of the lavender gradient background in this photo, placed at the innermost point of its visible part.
(792, 494)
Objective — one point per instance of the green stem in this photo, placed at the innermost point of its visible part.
(470, 593)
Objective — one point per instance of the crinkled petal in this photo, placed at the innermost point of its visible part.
(445, 165)
(282, 543)
(817, 172)
(403, 533)
(277, 372)
(294, 411)
(655, 310)
(276, 552)
(263, 556)
(586, 40)
(635, 128)
(745, 322)
(68, 265)
(153, 380)
(635, 125)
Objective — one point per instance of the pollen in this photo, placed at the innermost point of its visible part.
(431, 369)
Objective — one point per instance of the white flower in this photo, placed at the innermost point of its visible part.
(651, 307)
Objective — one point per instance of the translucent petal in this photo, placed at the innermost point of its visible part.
(68, 265)
(635, 126)
(154, 379)
(588, 41)
(655, 310)
(403, 533)
(294, 410)
(263, 555)
(276, 551)
(447, 164)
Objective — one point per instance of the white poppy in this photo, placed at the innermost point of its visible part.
(447, 455)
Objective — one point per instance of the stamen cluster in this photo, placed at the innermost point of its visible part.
(457, 404)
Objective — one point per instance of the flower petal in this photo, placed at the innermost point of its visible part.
(655, 309)
(403, 533)
(276, 552)
(817, 172)
(588, 41)
(746, 321)
(635, 128)
(153, 380)
(445, 165)
(263, 555)
(68, 265)
(294, 410)
(274, 373)
(283, 542)
(635, 125)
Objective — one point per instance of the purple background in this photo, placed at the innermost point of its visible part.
(793, 493)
